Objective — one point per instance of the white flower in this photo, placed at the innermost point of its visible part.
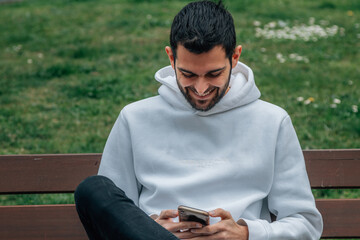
(271, 25)
(29, 61)
(300, 99)
(40, 55)
(17, 48)
(263, 49)
(333, 105)
(307, 101)
(282, 24)
(280, 30)
(336, 101)
(256, 23)
(298, 58)
(280, 57)
(292, 55)
(350, 82)
(355, 108)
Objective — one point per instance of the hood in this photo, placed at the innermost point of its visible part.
(242, 90)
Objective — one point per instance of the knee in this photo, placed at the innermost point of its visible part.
(96, 196)
(86, 189)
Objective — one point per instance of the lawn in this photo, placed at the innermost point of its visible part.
(68, 67)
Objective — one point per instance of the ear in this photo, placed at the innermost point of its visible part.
(170, 55)
(236, 55)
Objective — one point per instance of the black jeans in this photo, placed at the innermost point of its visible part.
(107, 213)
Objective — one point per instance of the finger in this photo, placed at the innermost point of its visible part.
(185, 226)
(154, 216)
(168, 214)
(219, 212)
(162, 222)
(186, 235)
(208, 230)
(215, 236)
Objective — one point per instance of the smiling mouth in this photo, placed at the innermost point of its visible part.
(208, 92)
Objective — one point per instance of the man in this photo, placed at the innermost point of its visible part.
(206, 141)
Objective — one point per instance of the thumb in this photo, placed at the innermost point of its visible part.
(219, 212)
(168, 214)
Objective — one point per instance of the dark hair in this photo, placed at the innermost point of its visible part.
(202, 25)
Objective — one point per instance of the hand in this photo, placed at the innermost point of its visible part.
(179, 229)
(227, 228)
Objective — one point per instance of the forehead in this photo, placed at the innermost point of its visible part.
(203, 62)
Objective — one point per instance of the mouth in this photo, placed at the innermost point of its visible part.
(204, 95)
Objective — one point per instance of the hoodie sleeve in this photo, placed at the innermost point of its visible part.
(290, 197)
(117, 160)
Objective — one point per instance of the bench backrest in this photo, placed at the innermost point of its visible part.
(61, 173)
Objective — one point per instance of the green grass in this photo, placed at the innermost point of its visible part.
(34, 199)
(67, 68)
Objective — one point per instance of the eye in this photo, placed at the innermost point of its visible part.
(188, 75)
(211, 75)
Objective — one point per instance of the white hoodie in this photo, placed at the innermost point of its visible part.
(242, 155)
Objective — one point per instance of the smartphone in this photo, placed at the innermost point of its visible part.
(193, 215)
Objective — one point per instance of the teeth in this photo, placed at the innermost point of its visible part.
(204, 94)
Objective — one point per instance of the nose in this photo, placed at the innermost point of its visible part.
(201, 85)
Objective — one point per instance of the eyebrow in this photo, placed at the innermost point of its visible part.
(212, 71)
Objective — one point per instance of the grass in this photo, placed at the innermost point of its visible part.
(68, 67)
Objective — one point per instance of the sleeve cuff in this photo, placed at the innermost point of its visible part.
(258, 229)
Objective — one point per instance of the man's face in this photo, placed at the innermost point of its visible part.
(202, 78)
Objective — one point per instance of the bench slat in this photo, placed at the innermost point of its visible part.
(58, 173)
(48, 173)
(333, 168)
(51, 222)
(341, 220)
(341, 217)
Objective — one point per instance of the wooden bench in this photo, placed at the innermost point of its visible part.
(61, 173)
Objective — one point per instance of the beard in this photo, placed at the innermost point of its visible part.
(219, 94)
